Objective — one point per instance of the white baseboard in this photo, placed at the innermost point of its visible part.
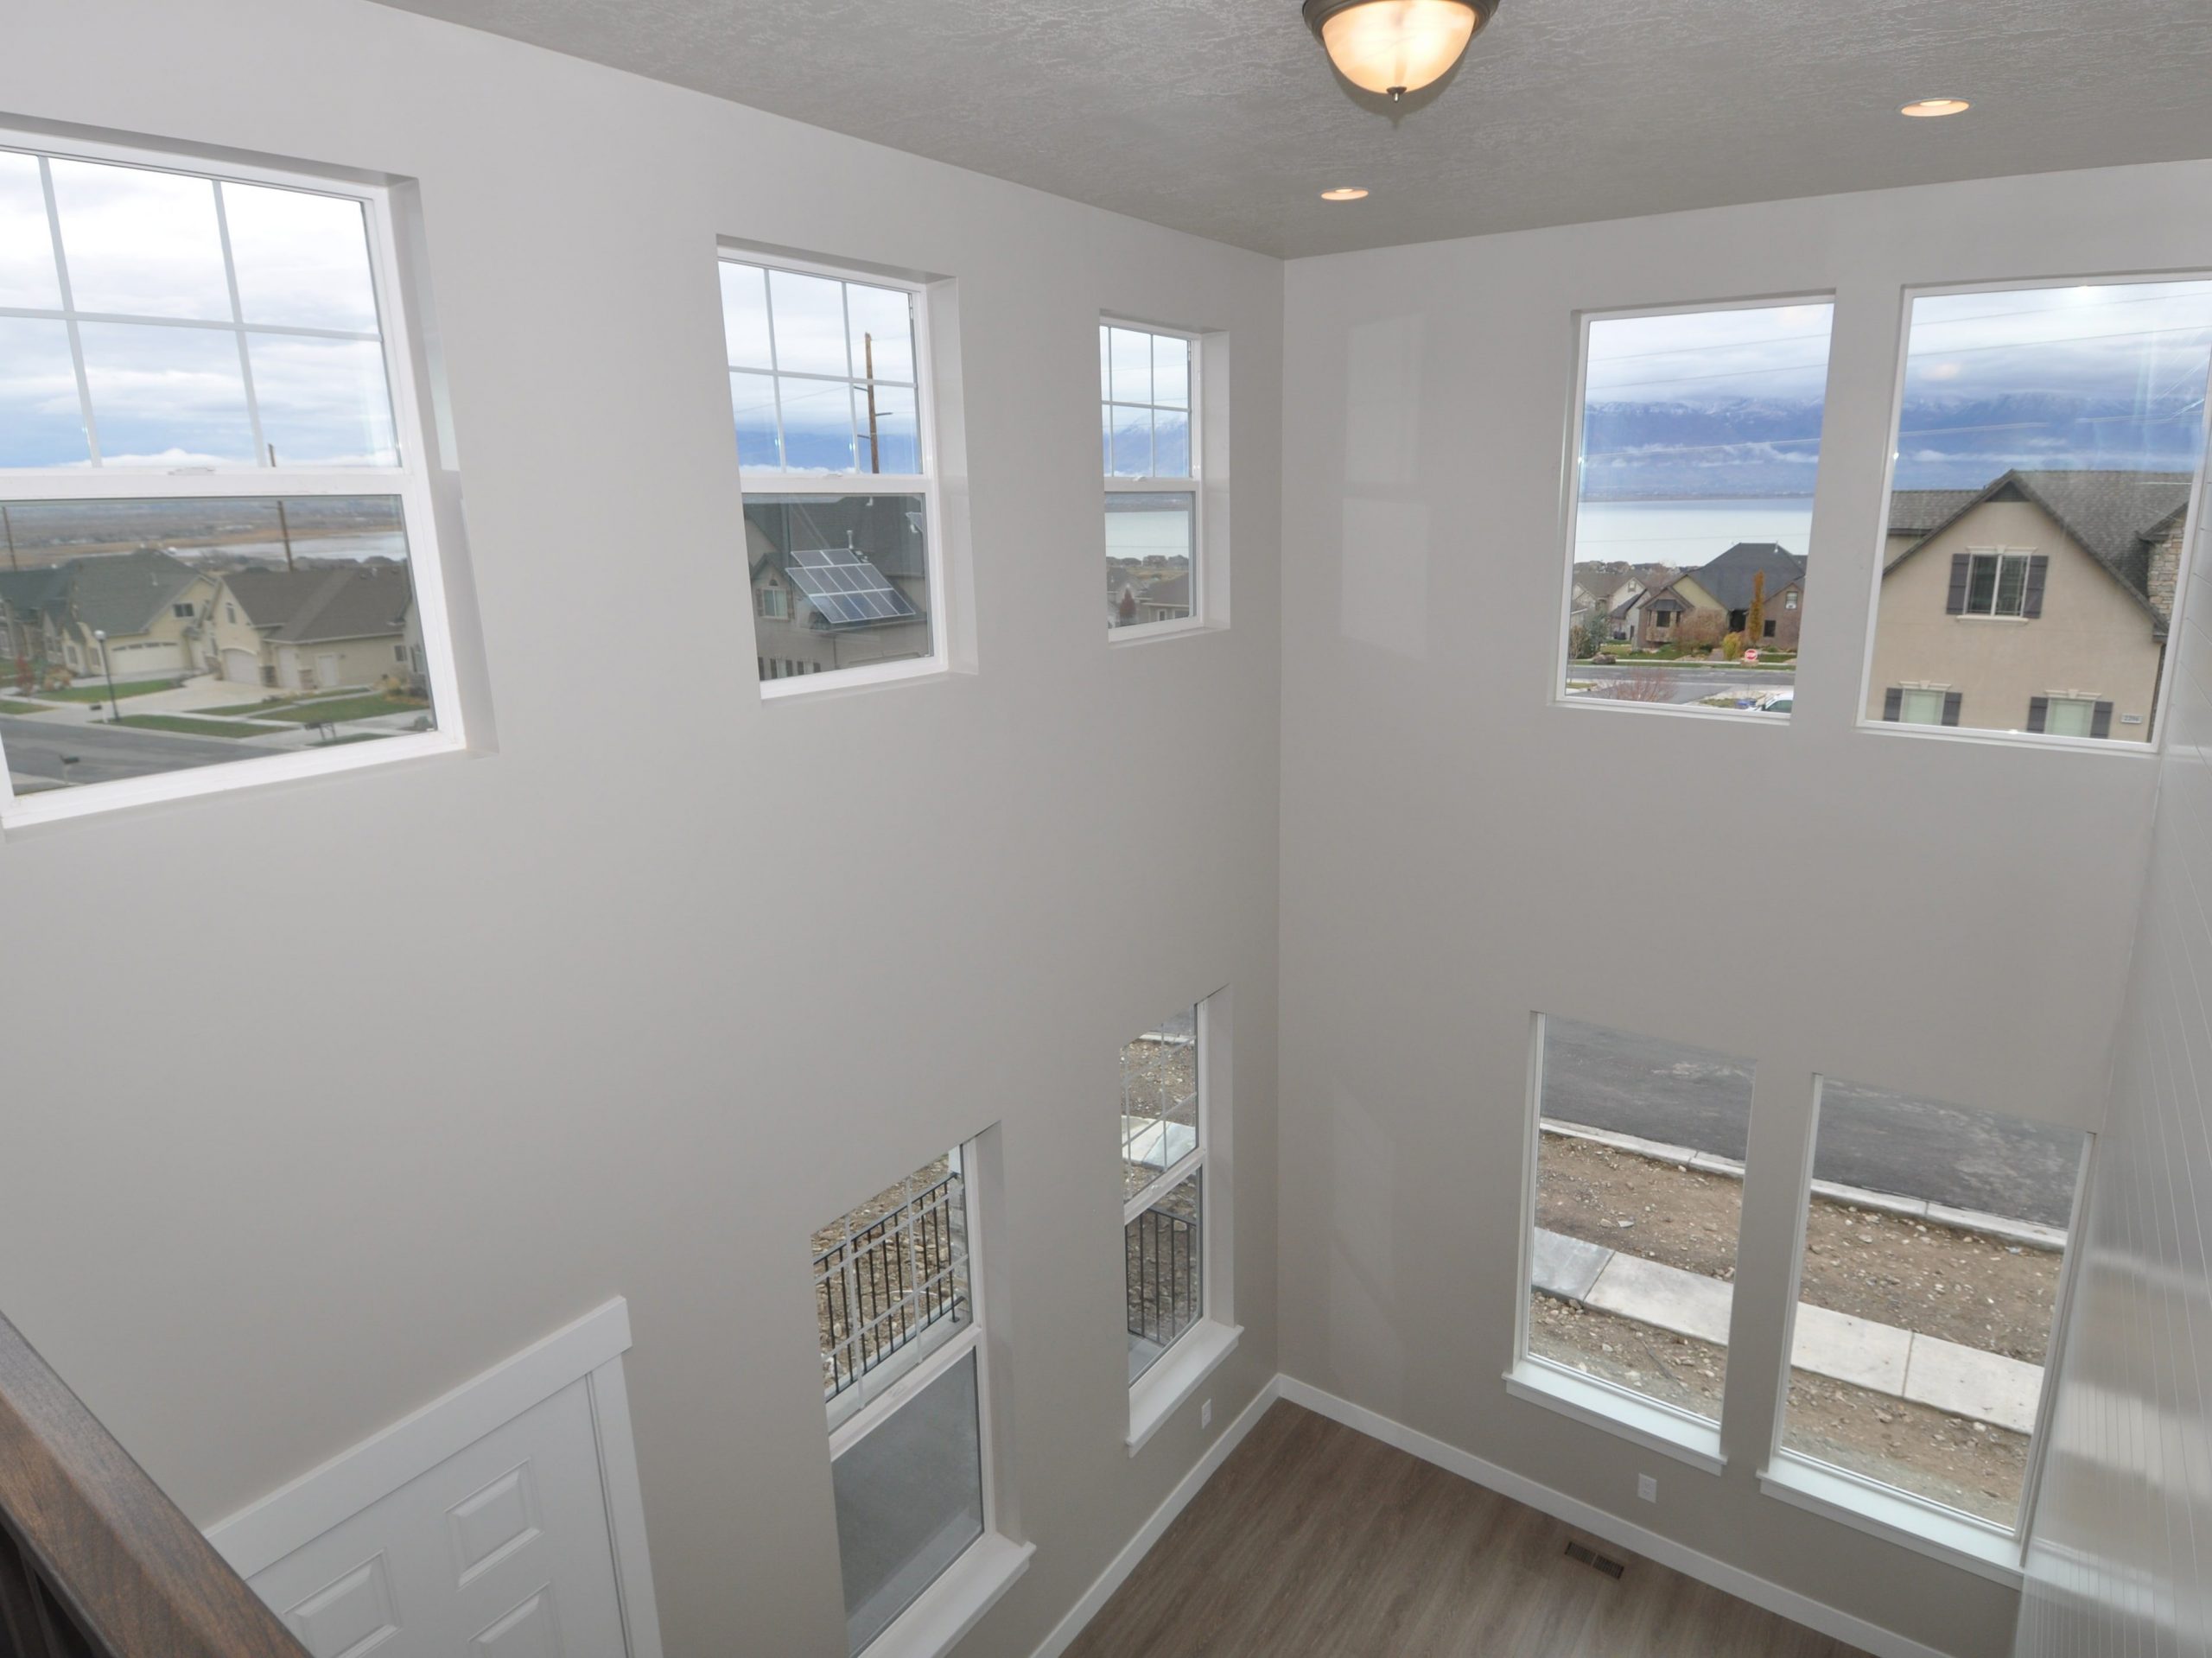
(1584, 1516)
(1117, 1571)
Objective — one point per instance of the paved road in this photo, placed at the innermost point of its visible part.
(1869, 1137)
(1690, 684)
(34, 748)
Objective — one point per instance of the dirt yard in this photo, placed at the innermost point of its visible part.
(1966, 1465)
(1935, 1280)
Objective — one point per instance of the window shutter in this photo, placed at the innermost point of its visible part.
(2039, 712)
(1893, 702)
(2101, 720)
(1955, 605)
(2032, 600)
(1951, 700)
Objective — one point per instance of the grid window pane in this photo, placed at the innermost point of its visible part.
(2048, 442)
(302, 259)
(42, 416)
(141, 243)
(882, 323)
(322, 403)
(1170, 371)
(235, 629)
(1634, 1257)
(167, 396)
(744, 315)
(1701, 437)
(1919, 1350)
(890, 436)
(909, 1500)
(1129, 355)
(856, 569)
(1164, 1272)
(817, 424)
(1131, 441)
(27, 277)
(809, 314)
(753, 402)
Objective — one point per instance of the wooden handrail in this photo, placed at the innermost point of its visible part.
(95, 1561)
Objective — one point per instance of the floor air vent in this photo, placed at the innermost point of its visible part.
(1591, 1558)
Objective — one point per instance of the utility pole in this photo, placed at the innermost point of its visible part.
(107, 663)
(868, 358)
(9, 524)
(284, 529)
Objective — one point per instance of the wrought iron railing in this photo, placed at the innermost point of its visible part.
(1165, 1286)
(880, 1287)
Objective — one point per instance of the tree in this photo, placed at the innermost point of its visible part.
(1755, 624)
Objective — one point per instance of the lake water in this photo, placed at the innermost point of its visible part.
(1688, 533)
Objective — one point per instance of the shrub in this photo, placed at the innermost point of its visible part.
(1731, 647)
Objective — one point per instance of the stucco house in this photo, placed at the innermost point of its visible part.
(2040, 603)
(822, 600)
(319, 629)
(1751, 574)
(162, 618)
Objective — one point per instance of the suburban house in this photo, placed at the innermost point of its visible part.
(2040, 603)
(821, 602)
(1760, 575)
(141, 615)
(319, 629)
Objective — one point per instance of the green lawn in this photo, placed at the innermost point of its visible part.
(364, 706)
(95, 691)
(267, 705)
(9, 705)
(186, 726)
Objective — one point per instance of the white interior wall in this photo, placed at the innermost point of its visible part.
(635, 1002)
(2122, 1556)
(1949, 917)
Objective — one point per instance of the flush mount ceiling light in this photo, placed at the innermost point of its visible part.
(1927, 108)
(1348, 193)
(1395, 46)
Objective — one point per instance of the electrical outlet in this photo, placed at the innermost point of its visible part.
(1205, 1414)
(1647, 1488)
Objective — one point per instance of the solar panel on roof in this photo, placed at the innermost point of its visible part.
(846, 588)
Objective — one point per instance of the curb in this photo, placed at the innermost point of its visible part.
(2031, 1234)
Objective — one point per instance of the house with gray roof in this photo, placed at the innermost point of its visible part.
(1753, 576)
(320, 629)
(2039, 603)
(140, 615)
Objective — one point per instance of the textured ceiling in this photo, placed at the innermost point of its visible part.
(1222, 117)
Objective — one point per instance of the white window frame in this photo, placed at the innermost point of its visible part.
(1870, 1505)
(2073, 699)
(1571, 508)
(1198, 1351)
(1193, 487)
(1592, 1401)
(937, 1619)
(2192, 530)
(410, 481)
(926, 483)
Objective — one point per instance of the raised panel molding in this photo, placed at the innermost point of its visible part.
(349, 1617)
(494, 1523)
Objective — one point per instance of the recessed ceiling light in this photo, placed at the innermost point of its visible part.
(1926, 108)
(1349, 193)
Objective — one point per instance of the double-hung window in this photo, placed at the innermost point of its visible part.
(220, 564)
(907, 1389)
(1149, 435)
(1997, 584)
(1176, 1282)
(830, 389)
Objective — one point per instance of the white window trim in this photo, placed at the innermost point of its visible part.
(1590, 1400)
(1918, 1523)
(2000, 553)
(1198, 1351)
(1571, 505)
(846, 486)
(938, 1617)
(1194, 486)
(2193, 529)
(410, 481)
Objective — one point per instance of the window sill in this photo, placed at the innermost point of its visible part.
(1615, 1410)
(228, 777)
(1175, 1375)
(867, 678)
(1997, 738)
(1142, 632)
(1955, 1538)
(955, 1603)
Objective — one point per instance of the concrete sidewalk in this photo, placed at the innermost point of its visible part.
(1923, 1370)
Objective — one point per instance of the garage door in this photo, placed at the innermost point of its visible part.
(242, 667)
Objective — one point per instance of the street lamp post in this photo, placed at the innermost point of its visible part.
(107, 664)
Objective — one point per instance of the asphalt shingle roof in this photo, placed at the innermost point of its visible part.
(360, 601)
(1731, 577)
(2114, 515)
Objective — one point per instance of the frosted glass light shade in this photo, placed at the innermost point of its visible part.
(1395, 46)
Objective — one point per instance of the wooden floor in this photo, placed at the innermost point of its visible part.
(1313, 1540)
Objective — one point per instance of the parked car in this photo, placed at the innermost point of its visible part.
(1777, 702)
